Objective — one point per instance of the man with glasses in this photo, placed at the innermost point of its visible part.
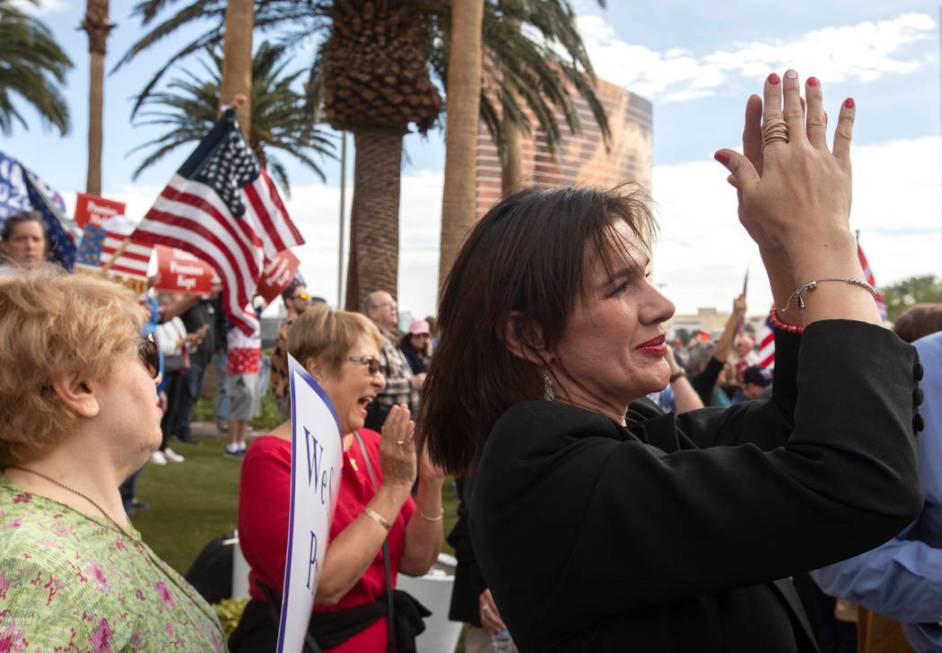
(297, 300)
(380, 307)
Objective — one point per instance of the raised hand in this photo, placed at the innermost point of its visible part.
(397, 456)
(795, 198)
(739, 305)
(794, 195)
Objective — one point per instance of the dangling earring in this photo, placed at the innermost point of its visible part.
(548, 394)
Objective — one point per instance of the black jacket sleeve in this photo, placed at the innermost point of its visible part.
(765, 423)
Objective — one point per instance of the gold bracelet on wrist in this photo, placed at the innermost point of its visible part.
(427, 518)
(378, 518)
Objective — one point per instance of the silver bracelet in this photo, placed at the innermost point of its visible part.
(799, 301)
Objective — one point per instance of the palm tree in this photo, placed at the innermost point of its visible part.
(280, 120)
(237, 60)
(464, 95)
(96, 25)
(376, 66)
(33, 67)
(376, 83)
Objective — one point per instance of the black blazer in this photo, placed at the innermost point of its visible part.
(668, 535)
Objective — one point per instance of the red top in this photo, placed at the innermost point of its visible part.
(264, 502)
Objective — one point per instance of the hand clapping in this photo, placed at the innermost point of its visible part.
(397, 456)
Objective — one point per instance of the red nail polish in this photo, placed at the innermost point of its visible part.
(773, 79)
(722, 157)
(813, 81)
(849, 103)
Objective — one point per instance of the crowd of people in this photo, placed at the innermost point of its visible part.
(617, 491)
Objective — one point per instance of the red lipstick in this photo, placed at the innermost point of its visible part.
(653, 347)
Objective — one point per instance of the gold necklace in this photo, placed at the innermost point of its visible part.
(76, 493)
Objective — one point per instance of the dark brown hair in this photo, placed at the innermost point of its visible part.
(918, 321)
(522, 264)
(15, 219)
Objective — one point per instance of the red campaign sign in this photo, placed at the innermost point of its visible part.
(277, 274)
(181, 272)
(92, 209)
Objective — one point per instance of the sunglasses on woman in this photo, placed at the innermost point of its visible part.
(149, 354)
(373, 364)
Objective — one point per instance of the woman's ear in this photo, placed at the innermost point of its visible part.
(524, 340)
(78, 394)
(316, 370)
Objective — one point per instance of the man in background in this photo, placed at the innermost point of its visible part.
(297, 300)
(381, 308)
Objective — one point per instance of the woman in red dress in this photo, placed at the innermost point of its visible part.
(374, 505)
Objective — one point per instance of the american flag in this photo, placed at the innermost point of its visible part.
(868, 275)
(99, 246)
(767, 345)
(222, 207)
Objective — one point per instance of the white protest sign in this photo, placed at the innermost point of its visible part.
(316, 464)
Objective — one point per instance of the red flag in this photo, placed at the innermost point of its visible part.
(868, 276)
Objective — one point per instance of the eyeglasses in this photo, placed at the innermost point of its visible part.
(373, 364)
(149, 354)
(302, 295)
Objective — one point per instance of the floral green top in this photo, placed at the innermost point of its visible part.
(70, 582)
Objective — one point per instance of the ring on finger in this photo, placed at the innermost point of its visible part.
(773, 131)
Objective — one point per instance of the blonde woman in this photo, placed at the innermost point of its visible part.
(376, 521)
(78, 415)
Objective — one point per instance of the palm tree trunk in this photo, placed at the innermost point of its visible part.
(463, 101)
(237, 60)
(97, 27)
(374, 214)
(511, 164)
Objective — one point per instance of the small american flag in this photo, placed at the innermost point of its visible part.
(222, 207)
(868, 275)
(99, 246)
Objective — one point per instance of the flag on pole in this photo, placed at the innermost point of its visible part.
(14, 195)
(222, 207)
(21, 190)
(100, 245)
(64, 234)
(868, 276)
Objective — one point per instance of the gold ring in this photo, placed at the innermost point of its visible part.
(774, 131)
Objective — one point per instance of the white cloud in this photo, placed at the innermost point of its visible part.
(864, 52)
(43, 7)
(702, 251)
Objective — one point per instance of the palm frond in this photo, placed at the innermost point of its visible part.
(187, 106)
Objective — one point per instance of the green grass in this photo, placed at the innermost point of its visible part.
(193, 502)
(190, 503)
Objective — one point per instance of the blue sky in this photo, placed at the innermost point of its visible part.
(696, 61)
